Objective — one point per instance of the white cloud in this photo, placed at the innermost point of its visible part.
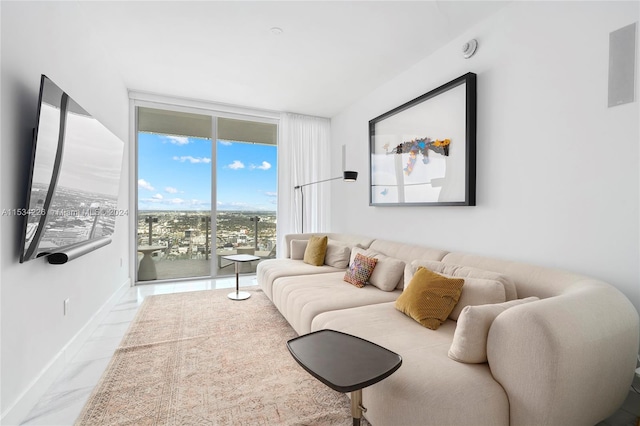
(192, 160)
(158, 197)
(158, 202)
(263, 166)
(177, 140)
(237, 164)
(226, 143)
(271, 194)
(145, 185)
(171, 190)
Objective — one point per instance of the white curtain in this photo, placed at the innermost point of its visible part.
(303, 157)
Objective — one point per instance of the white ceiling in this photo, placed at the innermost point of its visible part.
(329, 55)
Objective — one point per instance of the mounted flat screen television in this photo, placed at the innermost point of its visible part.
(74, 181)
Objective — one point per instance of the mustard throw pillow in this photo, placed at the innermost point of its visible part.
(430, 298)
(315, 251)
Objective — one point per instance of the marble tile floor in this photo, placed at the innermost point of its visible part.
(629, 412)
(64, 400)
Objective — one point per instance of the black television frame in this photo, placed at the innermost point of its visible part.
(93, 221)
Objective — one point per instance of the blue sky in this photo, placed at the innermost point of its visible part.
(174, 173)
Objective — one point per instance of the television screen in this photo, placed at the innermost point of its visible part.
(75, 177)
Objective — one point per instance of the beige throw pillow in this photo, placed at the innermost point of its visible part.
(337, 254)
(297, 249)
(470, 338)
(478, 291)
(316, 250)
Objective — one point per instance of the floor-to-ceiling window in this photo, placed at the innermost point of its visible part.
(198, 201)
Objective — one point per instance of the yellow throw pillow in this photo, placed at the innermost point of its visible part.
(429, 298)
(315, 251)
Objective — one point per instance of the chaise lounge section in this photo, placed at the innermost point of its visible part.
(566, 357)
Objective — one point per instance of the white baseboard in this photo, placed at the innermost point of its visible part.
(16, 413)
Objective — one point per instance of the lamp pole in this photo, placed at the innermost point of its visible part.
(348, 176)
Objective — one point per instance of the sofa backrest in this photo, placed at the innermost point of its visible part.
(406, 252)
(351, 240)
(530, 280)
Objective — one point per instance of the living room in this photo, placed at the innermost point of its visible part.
(558, 181)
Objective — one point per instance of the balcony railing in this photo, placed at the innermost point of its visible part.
(185, 239)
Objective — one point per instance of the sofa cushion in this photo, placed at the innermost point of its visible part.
(470, 338)
(388, 271)
(301, 298)
(462, 271)
(430, 297)
(269, 270)
(337, 254)
(429, 388)
(360, 270)
(316, 250)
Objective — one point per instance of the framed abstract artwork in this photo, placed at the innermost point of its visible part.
(423, 153)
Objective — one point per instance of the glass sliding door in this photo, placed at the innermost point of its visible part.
(246, 182)
(198, 200)
(174, 195)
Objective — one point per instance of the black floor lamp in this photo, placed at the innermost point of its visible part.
(347, 176)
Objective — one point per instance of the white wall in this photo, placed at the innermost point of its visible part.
(41, 38)
(558, 171)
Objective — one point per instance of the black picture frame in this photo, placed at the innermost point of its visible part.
(423, 153)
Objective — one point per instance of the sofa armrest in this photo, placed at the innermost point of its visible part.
(567, 359)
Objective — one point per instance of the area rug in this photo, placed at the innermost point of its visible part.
(199, 358)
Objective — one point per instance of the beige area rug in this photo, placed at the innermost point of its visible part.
(200, 358)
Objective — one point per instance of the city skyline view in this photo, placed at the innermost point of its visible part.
(174, 173)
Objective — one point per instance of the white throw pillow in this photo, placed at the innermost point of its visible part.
(337, 255)
(387, 273)
(298, 248)
(460, 271)
(470, 338)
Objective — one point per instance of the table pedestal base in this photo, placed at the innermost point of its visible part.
(356, 407)
(239, 295)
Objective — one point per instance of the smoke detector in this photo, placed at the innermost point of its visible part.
(469, 48)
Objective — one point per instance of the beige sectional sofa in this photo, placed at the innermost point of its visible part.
(566, 358)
